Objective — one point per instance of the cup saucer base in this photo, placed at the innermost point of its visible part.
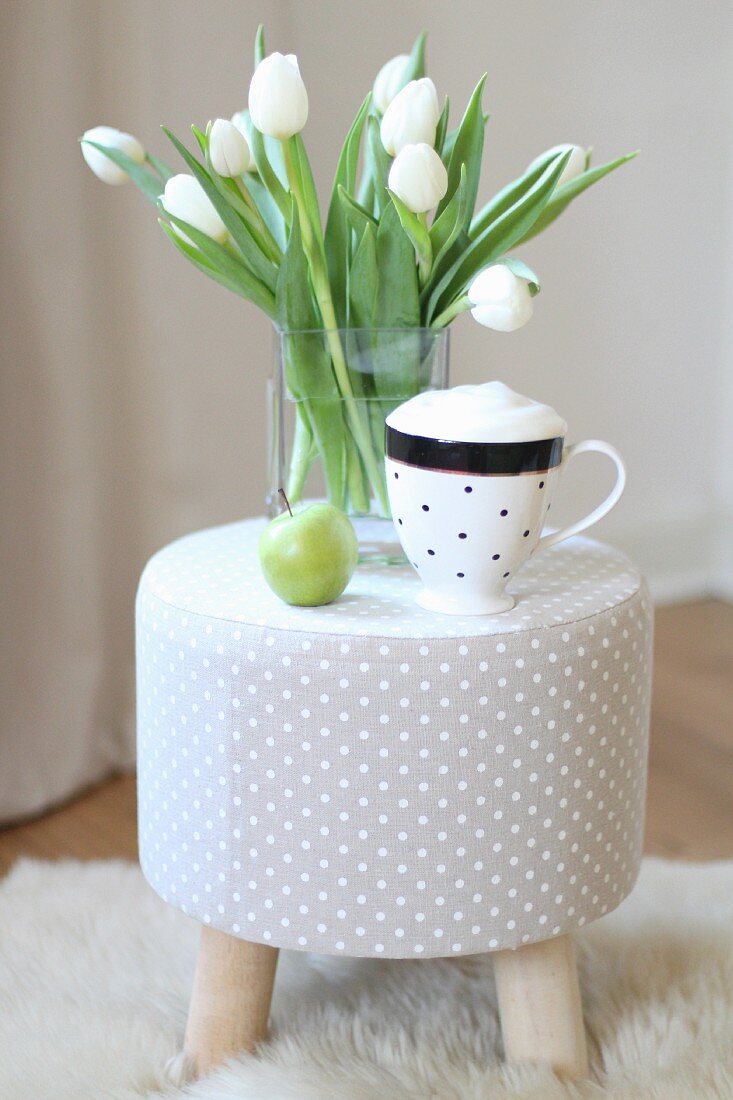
(449, 604)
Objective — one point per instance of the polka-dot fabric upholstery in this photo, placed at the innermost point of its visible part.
(370, 778)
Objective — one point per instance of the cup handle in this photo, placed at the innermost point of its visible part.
(602, 509)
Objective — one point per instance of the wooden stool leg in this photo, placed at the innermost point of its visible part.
(231, 998)
(539, 1006)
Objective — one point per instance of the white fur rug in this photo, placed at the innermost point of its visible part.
(95, 973)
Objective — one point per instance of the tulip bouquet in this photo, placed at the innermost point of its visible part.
(246, 214)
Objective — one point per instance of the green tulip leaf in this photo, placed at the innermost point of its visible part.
(227, 264)
(366, 186)
(338, 222)
(307, 184)
(565, 194)
(415, 68)
(295, 308)
(160, 167)
(142, 178)
(415, 230)
(398, 303)
(260, 51)
(498, 237)
(509, 195)
(397, 306)
(201, 137)
(356, 215)
(446, 228)
(442, 127)
(349, 159)
(381, 162)
(467, 149)
(261, 267)
(364, 280)
(448, 142)
(199, 260)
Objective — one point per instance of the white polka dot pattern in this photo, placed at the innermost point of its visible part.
(216, 572)
(368, 793)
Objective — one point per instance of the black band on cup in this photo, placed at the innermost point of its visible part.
(482, 459)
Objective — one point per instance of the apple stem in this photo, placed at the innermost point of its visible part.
(284, 495)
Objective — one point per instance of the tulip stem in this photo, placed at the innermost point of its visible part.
(459, 306)
(315, 252)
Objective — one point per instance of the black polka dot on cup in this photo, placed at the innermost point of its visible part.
(432, 553)
(462, 535)
(504, 512)
(468, 489)
(495, 557)
(426, 508)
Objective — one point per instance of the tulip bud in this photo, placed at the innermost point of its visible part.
(104, 168)
(278, 101)
(501, 300)
(388, 82)
(412, 117)
(575, 165)
(418, 177)
(228, 149)
(185, 198)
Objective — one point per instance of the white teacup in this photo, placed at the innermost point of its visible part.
(471, 474)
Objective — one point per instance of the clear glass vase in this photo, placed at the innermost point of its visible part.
(330, 393)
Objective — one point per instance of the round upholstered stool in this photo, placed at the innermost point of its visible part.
(370, 778)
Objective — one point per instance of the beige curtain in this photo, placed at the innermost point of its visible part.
(132, 390)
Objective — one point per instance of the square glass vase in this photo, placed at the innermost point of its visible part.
(330, 393)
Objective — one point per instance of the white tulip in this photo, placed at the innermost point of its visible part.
(228, 149)
(418, 177)
(104, 168)
(185, 198)
(389, 80)
(278, 101)
(412, 117)
(575, 165)
(501, 300)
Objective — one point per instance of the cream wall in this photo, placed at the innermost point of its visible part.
(629, 335)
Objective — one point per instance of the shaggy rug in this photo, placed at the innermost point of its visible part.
(95, 973)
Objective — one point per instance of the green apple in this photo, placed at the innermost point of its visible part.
(308, 556)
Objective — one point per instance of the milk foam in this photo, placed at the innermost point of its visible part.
(490, 413)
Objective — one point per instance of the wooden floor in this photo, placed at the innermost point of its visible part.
(690, 807)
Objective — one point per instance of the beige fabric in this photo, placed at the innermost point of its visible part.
(370, 778)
